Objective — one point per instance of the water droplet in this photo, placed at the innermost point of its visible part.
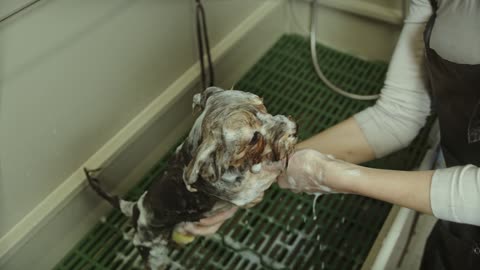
(314, 203)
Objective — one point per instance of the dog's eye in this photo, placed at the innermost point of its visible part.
(255, 138)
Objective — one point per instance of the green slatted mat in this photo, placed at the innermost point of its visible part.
(279, 233)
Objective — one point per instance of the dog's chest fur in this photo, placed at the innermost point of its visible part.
(169, 200)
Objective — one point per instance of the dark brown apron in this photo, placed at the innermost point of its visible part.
(455, 92)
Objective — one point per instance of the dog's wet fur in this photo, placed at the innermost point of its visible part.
(233, 153)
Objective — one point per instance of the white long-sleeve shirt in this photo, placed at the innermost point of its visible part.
(396, 118)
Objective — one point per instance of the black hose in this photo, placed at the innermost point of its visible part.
(18, 10)
(204, 46)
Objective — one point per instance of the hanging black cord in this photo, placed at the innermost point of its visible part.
(202, 39)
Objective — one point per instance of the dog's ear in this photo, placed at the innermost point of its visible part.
(200, 100)
(202, 164)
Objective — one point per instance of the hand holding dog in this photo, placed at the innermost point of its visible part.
(312, 172)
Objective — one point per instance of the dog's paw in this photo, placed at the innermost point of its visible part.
(91, 175)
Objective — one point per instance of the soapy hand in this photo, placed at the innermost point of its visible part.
(312, 172)
(208, 226)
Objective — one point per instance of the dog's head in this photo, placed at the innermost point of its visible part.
(237, 148)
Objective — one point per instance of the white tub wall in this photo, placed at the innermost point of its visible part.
(56, 114)
(344, 25)
(393, 4)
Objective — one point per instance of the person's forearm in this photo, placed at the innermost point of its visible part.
(404, 188)
(345, 141)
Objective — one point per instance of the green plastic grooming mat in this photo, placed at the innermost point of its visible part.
(285, 231)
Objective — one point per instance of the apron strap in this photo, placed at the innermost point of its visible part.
(429, 26)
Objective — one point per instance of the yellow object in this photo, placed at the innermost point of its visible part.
(182, 238)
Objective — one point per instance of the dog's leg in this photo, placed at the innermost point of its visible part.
(125, 206)
(95, 184)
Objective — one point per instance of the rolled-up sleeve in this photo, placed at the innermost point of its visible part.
(401, 111)
(455, 194)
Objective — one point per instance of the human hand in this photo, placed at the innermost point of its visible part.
(312, 172)
(207, 226)
(210, 225)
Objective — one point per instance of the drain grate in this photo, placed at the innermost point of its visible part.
(281, 232)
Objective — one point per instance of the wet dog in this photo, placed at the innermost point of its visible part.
(233, 153)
